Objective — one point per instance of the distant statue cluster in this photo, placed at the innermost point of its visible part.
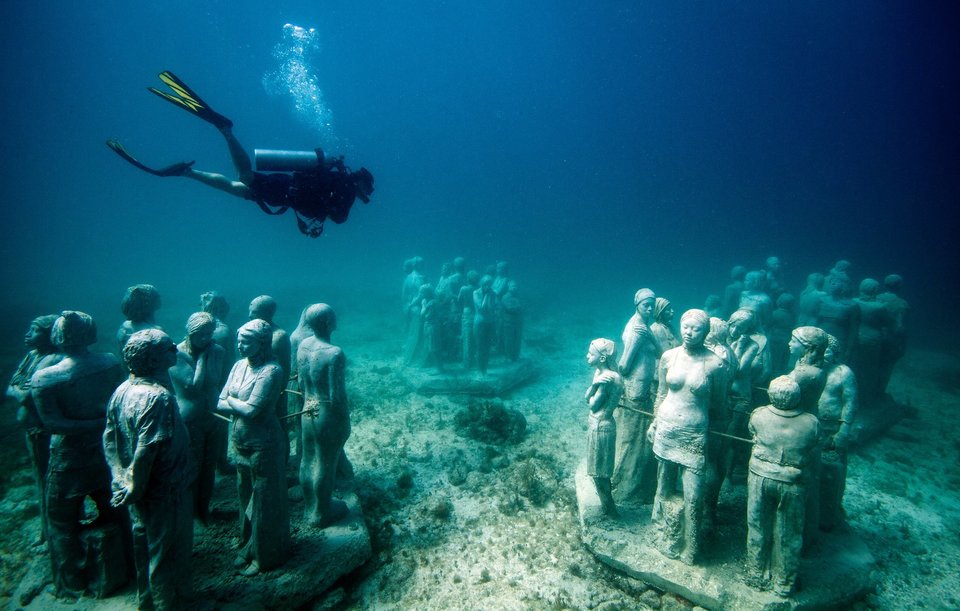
(756, 389)
(145, 447)
(465, 318)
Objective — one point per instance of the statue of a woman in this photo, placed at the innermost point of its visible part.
(692, 381)
(602, 397)
(250, 396)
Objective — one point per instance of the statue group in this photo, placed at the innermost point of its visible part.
(749, 393)
(146, 448)
(464, 319)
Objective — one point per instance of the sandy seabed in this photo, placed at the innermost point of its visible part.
(460, 524)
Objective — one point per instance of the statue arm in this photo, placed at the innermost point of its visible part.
(848, 410)
(337, 381)
(628, 359)
(134, 482)
(266, 390)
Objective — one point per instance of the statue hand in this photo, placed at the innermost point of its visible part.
(652, 432)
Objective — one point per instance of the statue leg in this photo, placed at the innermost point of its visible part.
(66, 557)
(759, 532)
(694, 488)
(788, 537)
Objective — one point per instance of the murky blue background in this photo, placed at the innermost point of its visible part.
(598, 147)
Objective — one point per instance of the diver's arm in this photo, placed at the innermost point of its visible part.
(220, 182)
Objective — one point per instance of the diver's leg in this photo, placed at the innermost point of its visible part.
(220, 182)
(241, 161)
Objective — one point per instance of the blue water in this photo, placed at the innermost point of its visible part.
(597, 146)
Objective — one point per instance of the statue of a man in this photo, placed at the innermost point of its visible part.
(484, 321)
(148, 449)
(836, 410)
(196, 379)
(784, 446)
(71, 399)
(326, 422)
(41, 353)
(838, 315)
(139, 306)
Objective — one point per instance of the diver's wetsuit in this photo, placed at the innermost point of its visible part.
(314, 196)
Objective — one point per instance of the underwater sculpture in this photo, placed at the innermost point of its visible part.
(264, 307)
(465, 301)
(692, 384)
(139, 306)
(784, 446)
(731, 293)
(41, 353)
(216, 305)
(250, 395)
(773, 277)
(635, 469)
(756, 299)
(484, 321)
(511, 322)
(662, 319)
(71, 399)
(836, 410)
(148, 449)
(837, 315)
(876, 324)
(896, 341)
(807, 347)
(602, 397)
(808, 307)
(321, 368)
(745, 352)
(195, 377)
(411, 284)
(783, 321)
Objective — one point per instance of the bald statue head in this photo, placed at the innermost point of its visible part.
(321, 319)
(149, 353)
(263, 307)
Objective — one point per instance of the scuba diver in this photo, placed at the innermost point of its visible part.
(315, 187)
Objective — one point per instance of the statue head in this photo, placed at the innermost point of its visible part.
(254, 340)
(200, 328)
(140, 302)
(833, 352)
(486, 282)
(459, 264)
(742, 322)
(662, 310)
(425, 291)
(869, 289)
(837, 284)
(842, 267)
(694, 327)
(893, 283)
(446, 268)
(38, 335)
(753, 281)
(784, 393)
(773, 264)
(738, 273)
(786, 301)
(502, 268)
(808, 344)
(719, 332)
(473, 276)
(263, 307)
(815, 281)
(214, 303)
(645, 301)
(712, 302)
(408, 266)
(321, 319)
(601, 351)
(416, 263)
(73, 330)
(149, 353)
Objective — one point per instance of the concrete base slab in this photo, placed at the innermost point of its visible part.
(454, 380)
(836, 573)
